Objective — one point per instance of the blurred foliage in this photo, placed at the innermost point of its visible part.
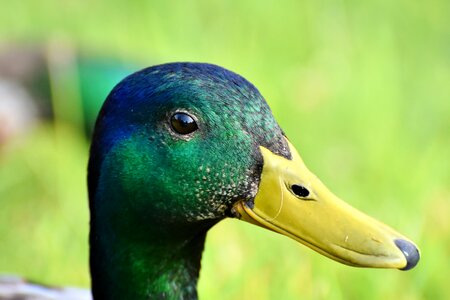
(361, 87)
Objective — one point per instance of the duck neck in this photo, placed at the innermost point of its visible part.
(160, 266)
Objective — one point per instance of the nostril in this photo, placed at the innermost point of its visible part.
(300, 190)
(411, 253)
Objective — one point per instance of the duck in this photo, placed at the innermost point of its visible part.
(177, 148)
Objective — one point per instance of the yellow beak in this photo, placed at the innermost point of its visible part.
(294, 202)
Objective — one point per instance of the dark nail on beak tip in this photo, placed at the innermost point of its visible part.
(411, 253)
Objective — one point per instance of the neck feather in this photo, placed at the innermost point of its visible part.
(123, 268)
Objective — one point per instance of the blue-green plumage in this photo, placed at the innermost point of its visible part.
(153, 192)
(177, 148)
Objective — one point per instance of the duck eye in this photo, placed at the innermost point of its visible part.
(300, 190)
(183, 123)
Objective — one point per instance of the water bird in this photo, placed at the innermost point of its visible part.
(179, 147)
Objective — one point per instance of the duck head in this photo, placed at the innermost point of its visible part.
(179, 147)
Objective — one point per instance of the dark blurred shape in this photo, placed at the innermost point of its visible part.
(39, 79)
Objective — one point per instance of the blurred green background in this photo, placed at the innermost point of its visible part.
(362, 88)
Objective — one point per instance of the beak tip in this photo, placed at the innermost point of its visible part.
(410, 252)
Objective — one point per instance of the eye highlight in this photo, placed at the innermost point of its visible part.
(183, 123)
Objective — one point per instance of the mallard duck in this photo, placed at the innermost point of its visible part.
(179, 147)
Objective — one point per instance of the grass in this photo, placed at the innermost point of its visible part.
(361, 88)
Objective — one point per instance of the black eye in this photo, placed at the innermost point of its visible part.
(300, 190)
(183, 123)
